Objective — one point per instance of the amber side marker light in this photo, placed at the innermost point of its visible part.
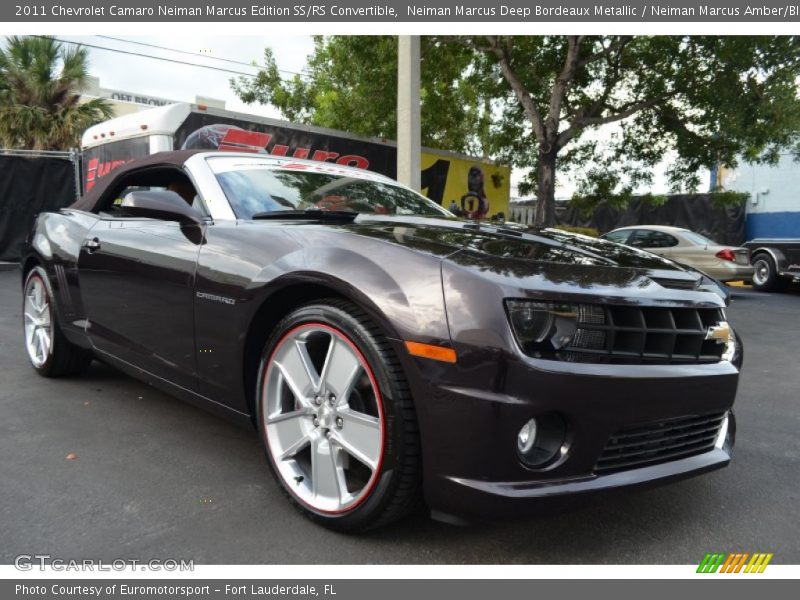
(431, 351)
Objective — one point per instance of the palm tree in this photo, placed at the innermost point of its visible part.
(40, 85)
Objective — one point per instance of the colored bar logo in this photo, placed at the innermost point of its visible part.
(737, 562)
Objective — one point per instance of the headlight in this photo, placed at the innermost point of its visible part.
(545, 328)
(734, 350)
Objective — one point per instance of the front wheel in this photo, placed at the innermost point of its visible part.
(337, 420)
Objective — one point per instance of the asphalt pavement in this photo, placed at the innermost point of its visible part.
(153, 477)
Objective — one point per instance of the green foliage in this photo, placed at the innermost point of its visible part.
(705, 99)
(725, 198)
(654, 199)
(587, 204)
(40, 84)
(533, 102)
(600, 185)
(351, 84)
(590, 231)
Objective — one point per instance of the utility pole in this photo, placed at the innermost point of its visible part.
(409, 138)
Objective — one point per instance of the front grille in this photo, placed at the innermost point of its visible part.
(645, 335)
(659, 442)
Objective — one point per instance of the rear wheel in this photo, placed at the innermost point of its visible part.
(50, 352)
(337, 420)
(765, 274)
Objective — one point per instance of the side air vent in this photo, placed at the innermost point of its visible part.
(63, 288)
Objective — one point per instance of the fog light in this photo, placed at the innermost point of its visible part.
(526, 437)
(542, 441)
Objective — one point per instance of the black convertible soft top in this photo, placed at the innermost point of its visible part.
(176, 158)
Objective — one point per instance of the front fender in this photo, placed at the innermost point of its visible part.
(58, 235)
(407, 299)
(55, 243)
(781, 262)
(246, 271)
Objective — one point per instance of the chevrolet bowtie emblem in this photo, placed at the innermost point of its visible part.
(720, 332)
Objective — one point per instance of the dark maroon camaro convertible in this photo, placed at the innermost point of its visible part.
(387, 352)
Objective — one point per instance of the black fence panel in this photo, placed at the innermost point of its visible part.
(29, 186)
(724, 225)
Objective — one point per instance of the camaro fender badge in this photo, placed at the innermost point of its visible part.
(721, 333)
(215, 298)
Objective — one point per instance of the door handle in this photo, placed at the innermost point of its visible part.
(92, 245)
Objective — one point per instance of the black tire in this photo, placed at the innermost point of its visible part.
(63, 358)
(765, 275)
(397, 483)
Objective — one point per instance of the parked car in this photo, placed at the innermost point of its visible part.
(723, 263)
(386, 351)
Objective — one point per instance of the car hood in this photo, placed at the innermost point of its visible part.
(522, 257)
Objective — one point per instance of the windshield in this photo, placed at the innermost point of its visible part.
(258, 190)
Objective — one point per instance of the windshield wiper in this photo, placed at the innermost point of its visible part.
(310, 214)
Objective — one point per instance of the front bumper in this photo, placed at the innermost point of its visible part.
(471, 413)
(475, 497)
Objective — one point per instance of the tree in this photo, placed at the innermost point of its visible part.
(707, 99)
(350, 83)
(40, 85)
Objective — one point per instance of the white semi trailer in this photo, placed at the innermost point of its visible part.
(773, 219)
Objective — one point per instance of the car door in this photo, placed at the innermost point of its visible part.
(137, 278)
(697, 255)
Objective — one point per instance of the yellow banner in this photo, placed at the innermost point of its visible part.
(467, 187)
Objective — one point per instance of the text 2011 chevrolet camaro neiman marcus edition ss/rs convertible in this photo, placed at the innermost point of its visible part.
(387, 352)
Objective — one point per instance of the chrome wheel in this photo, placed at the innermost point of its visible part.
(761, 271)
(323, 418)
(37, 322)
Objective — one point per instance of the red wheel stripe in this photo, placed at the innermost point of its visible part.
(374, 479)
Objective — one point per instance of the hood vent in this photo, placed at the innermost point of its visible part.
(678, 284)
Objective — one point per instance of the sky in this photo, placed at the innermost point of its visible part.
(183, 82)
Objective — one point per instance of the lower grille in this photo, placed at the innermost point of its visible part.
(659, 442)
